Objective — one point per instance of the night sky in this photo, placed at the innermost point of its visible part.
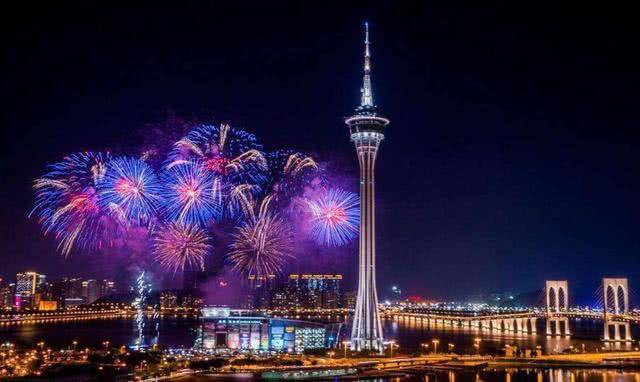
(511, 158)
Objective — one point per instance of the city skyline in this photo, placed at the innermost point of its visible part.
(498, 157)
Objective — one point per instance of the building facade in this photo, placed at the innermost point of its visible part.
(226, 329)
(27, 288)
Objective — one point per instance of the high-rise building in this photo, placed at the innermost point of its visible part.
(349, 300)
(294, 291)
(311, 291)
(168, 299)
(6, 294)
(27, 284)
(90, 290)
(261, 291)
(366, 128)
(107, 287)
(68, 292)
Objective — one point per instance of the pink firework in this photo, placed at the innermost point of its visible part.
(179, 246)
(335, 217)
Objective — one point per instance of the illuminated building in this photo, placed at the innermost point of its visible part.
(27, 284)
(6, 295)
(349, 300)
(261, 290)
(168, 299)
(90, 291)
(47, 305)
(223, 328)
(367, 131)
(190, 301)
(107, 287)
(67, 291)
(310, 291)
(320, 291)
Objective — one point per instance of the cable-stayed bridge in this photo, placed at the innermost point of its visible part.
(615, 315)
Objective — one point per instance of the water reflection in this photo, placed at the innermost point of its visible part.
(495, 375)
(528, 375)
(416, 334)
(413, 336)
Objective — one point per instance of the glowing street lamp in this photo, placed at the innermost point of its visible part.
(392, 344)
(425, 347)
(451, 346)
(435, 345)
(75, 344)
(345, 344)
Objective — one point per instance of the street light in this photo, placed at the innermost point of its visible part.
(392, 344)
(435, 345)
(451, 346)
(345, 343)
(425, 346)
(75, 343)
(476, 344)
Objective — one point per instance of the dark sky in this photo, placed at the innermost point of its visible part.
(512, 155)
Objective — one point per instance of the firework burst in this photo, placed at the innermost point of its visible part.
(131, 187)
(190, 195)
(335, 217)
(232, 156)
(68, 204)
(262, 244)
(178, 246)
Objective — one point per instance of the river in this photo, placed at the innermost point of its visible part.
(181, 332)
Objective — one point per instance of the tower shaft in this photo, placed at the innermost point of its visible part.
(366, 332)
(367, 129)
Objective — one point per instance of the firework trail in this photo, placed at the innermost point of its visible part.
(68, 204)
(262, 244)
(289, 173)
(131, 187)
(335, 217)
(178, 246)
(142, 288)
(189, 195)
(232, 156)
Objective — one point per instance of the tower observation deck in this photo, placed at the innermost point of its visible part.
(366, 128)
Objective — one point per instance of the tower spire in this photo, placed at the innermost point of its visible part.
(367, 91)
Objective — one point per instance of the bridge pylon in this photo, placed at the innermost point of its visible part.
(557, 306)
(615, 295)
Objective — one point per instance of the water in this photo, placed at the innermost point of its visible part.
(488, 375)
(174, 332)
(181, 332)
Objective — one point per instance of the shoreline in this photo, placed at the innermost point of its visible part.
(403, 367)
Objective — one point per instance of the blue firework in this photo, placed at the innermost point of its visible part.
(190, 195)
(131, 189)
